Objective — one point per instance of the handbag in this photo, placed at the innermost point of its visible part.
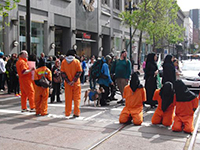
(57, 79)
(44, 82)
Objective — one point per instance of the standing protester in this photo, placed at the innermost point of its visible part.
(56, 80)
(83, 65)
(144, 65)
(71, 71)
(2, 72)
(122, 70)
(134, 95)
(151, 71)
(169, 72)
(105, 80)
(11, 74)
(25, 80)
(186, 104)
(41, 93)
(166, 102)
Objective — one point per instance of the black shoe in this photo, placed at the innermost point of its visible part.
(114, 99)
(75, 116)
(106, 104)
(59, 101)
(121, 101)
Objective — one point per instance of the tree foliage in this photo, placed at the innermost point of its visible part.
(6, 6)
(158, 19)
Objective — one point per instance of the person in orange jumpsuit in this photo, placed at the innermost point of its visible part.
(166, 102)
(71, 71)
(134, 95)
(25, 81)
(186, 104)
(41, 93)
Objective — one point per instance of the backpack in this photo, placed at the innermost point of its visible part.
(96, 69)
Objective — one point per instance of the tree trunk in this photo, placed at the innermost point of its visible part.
(139, 49)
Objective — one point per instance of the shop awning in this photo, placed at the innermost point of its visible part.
(85, 40)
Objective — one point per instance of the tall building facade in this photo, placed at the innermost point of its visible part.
(195, 16)
(93, 26)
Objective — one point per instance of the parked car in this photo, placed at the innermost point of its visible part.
(190, 70)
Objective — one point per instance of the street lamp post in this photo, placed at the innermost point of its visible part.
(28, 26)
(130, 9)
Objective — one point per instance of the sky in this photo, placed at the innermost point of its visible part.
(186, 5)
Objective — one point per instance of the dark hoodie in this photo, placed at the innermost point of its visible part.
(183, 94)
(135, 82)
(167, 95)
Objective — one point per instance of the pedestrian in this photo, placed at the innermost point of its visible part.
(164, 113)
(56, 81)
(169, 72)
(16, 80)
(134, 95)
(41, 93)
(186, 104)
(105, 80)
(91, 80)
(25, 81)
(71, 71)
(83, 65)
(151, 71)
(177, 68)
(122, 70)
(11, 74)
(112, 86)
(2, 72)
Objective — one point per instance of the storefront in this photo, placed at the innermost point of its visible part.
(37, 37)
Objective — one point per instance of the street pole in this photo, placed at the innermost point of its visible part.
(28, 27)
(130, 9)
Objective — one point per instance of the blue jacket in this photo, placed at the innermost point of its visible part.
(105, 71)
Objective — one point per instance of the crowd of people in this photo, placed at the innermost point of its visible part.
(26, 79)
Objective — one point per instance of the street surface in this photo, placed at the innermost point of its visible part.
(96, 128)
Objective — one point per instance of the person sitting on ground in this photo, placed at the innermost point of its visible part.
(186, 104)
(134, 95)
(164, 113)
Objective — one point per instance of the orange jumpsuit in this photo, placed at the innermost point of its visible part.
(42, 94)
(167, 117)
(26, 84)
(184, 115)
(134, 105)
(72, 92)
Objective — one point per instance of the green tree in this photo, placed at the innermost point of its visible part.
(6, 6)
(156, 19)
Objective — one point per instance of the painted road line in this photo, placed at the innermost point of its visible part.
(15, 112)
(93, 116)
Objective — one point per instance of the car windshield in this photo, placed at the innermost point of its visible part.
(191, 66)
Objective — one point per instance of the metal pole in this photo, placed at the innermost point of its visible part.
(28, 27)
(130, 9)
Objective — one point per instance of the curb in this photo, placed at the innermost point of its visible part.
(191, 140)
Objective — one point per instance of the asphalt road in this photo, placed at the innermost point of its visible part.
(96, 128)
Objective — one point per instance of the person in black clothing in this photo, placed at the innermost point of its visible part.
(11, 75)
(56, 83)
(151, 71)
(169, 72)
(15, 79)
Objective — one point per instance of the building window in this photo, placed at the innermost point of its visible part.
(116, 4)
(106, 2)
(37, 37)
(1, 33)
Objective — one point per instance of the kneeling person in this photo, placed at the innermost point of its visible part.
(166, 102)
(134, 95)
